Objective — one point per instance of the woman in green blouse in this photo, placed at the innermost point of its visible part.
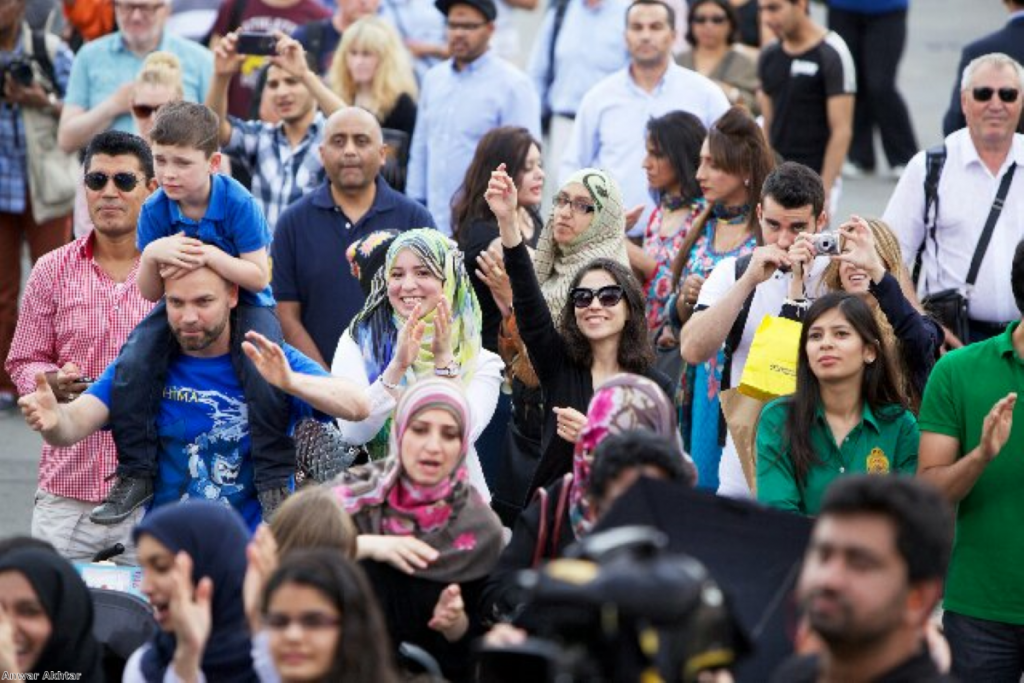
(847, 415)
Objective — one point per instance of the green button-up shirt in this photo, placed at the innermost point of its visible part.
(879, 444)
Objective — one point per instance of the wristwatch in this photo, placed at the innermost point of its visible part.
(453, 369)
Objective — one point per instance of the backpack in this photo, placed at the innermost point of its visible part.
(934, 160)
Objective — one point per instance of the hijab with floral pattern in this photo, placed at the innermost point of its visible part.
(375, 327)
(557, 264)
(449, 516)
(623, 403)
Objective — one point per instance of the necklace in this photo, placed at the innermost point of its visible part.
(730, 214)
(674, 202)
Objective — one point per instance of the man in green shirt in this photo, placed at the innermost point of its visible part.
(969, 451)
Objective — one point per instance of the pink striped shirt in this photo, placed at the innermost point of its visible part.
(72, 311)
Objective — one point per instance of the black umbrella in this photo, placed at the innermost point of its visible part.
(753, 552)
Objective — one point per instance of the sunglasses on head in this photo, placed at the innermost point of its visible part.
(717, 19)
(607, 296)
(1008, 95)
(97, 180)
(144, 111)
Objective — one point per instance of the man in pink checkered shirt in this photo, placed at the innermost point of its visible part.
(80, 304)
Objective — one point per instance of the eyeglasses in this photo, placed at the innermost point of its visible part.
(97, 180)
(307, 621)
(466, 26)
(144, 111)
(717, 19)
(1007, 95)
(146, 9)
(607, 296)
(577, 206)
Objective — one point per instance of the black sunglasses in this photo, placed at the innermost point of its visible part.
(144, 111)
(97, 180)
(1008, 95)
(607, 296)
(717, 19)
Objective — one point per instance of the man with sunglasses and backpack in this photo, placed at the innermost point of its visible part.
(80, 304)
(960, 209)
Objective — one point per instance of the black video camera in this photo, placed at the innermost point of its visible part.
(618, 609)
(20, 69)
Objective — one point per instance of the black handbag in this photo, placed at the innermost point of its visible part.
(951, 306)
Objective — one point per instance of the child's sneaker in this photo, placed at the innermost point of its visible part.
(128, 494)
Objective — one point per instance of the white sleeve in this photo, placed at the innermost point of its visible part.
(262, 662)
(905, 212)
(718, 284)
(133, 670)
(348, 364)
(483, 391)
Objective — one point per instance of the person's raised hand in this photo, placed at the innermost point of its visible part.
(269, 360)
(441, 344)
(501, 194)
(450, 618)
(764, 261)
(490, 271)
(291, 56)
(995, 430)
(262, 556)
(859, 248)
(404, 553)
(226, 60)
(407, 346)
(40, 408)
(569, 423)
(121, 100)
(8, 648)
(190, 614)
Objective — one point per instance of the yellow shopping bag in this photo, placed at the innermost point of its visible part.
(770, 370)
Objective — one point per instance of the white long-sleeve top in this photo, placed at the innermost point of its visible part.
(481, 395)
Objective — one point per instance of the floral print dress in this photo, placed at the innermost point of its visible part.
(663, 250)
(700, 418)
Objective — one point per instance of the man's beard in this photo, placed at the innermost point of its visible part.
(208, 337)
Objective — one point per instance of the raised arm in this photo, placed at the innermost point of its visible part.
(62, 424)
(331, 395)
(226, 63)
(250, 271)
(78, 125)
(291, 57)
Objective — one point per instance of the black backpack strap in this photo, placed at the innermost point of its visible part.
(549, 74)
(41, 54)
(732, 341)
(934, 160)
(990, 225)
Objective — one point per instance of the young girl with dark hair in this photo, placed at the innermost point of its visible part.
(847, 414)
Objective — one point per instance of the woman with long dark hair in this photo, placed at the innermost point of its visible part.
(734, 162)
(713, 31)
(602, 327)
(342, 637)
(847, 415)
(673, 155)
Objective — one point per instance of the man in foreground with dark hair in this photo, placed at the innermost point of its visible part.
(968, 450)
(872, 575)
(80, 304)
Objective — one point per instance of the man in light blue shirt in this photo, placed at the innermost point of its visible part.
(462, 99)
(588, 46)
(612, 118)
(102, 76)
(421, 28)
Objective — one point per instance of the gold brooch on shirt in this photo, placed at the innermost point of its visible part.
(877, 462)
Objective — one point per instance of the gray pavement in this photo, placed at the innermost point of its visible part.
(938, 29)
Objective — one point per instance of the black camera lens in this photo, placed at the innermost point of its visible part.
(21, 72)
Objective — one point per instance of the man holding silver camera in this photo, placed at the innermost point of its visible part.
(739, 294)
(37, 181)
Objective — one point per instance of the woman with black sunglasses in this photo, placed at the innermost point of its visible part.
(713, 31)
(603, 326)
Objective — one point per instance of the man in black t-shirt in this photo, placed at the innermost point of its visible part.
(808, 84)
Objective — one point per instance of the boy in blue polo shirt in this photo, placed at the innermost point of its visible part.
(198, 217)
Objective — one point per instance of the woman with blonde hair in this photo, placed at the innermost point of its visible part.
(871, 267)
(372, 70)
(157, 83)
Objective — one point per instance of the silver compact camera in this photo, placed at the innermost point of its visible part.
(827, 243)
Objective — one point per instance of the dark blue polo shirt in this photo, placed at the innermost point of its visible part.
(309, 264)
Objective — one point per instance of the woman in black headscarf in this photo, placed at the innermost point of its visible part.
(196, 545)
(45, 606)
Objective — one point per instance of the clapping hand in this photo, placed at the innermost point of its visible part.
(441, 344)
(490, 272)
(995, 430)
(450, 614)
(407, 346)
(190, 615)
(269, 360)
(262, 555)
(404, 553)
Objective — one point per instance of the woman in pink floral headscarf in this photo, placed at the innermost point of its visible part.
(426, 537)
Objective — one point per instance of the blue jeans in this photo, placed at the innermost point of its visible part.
(138, 384)
(984, 650)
